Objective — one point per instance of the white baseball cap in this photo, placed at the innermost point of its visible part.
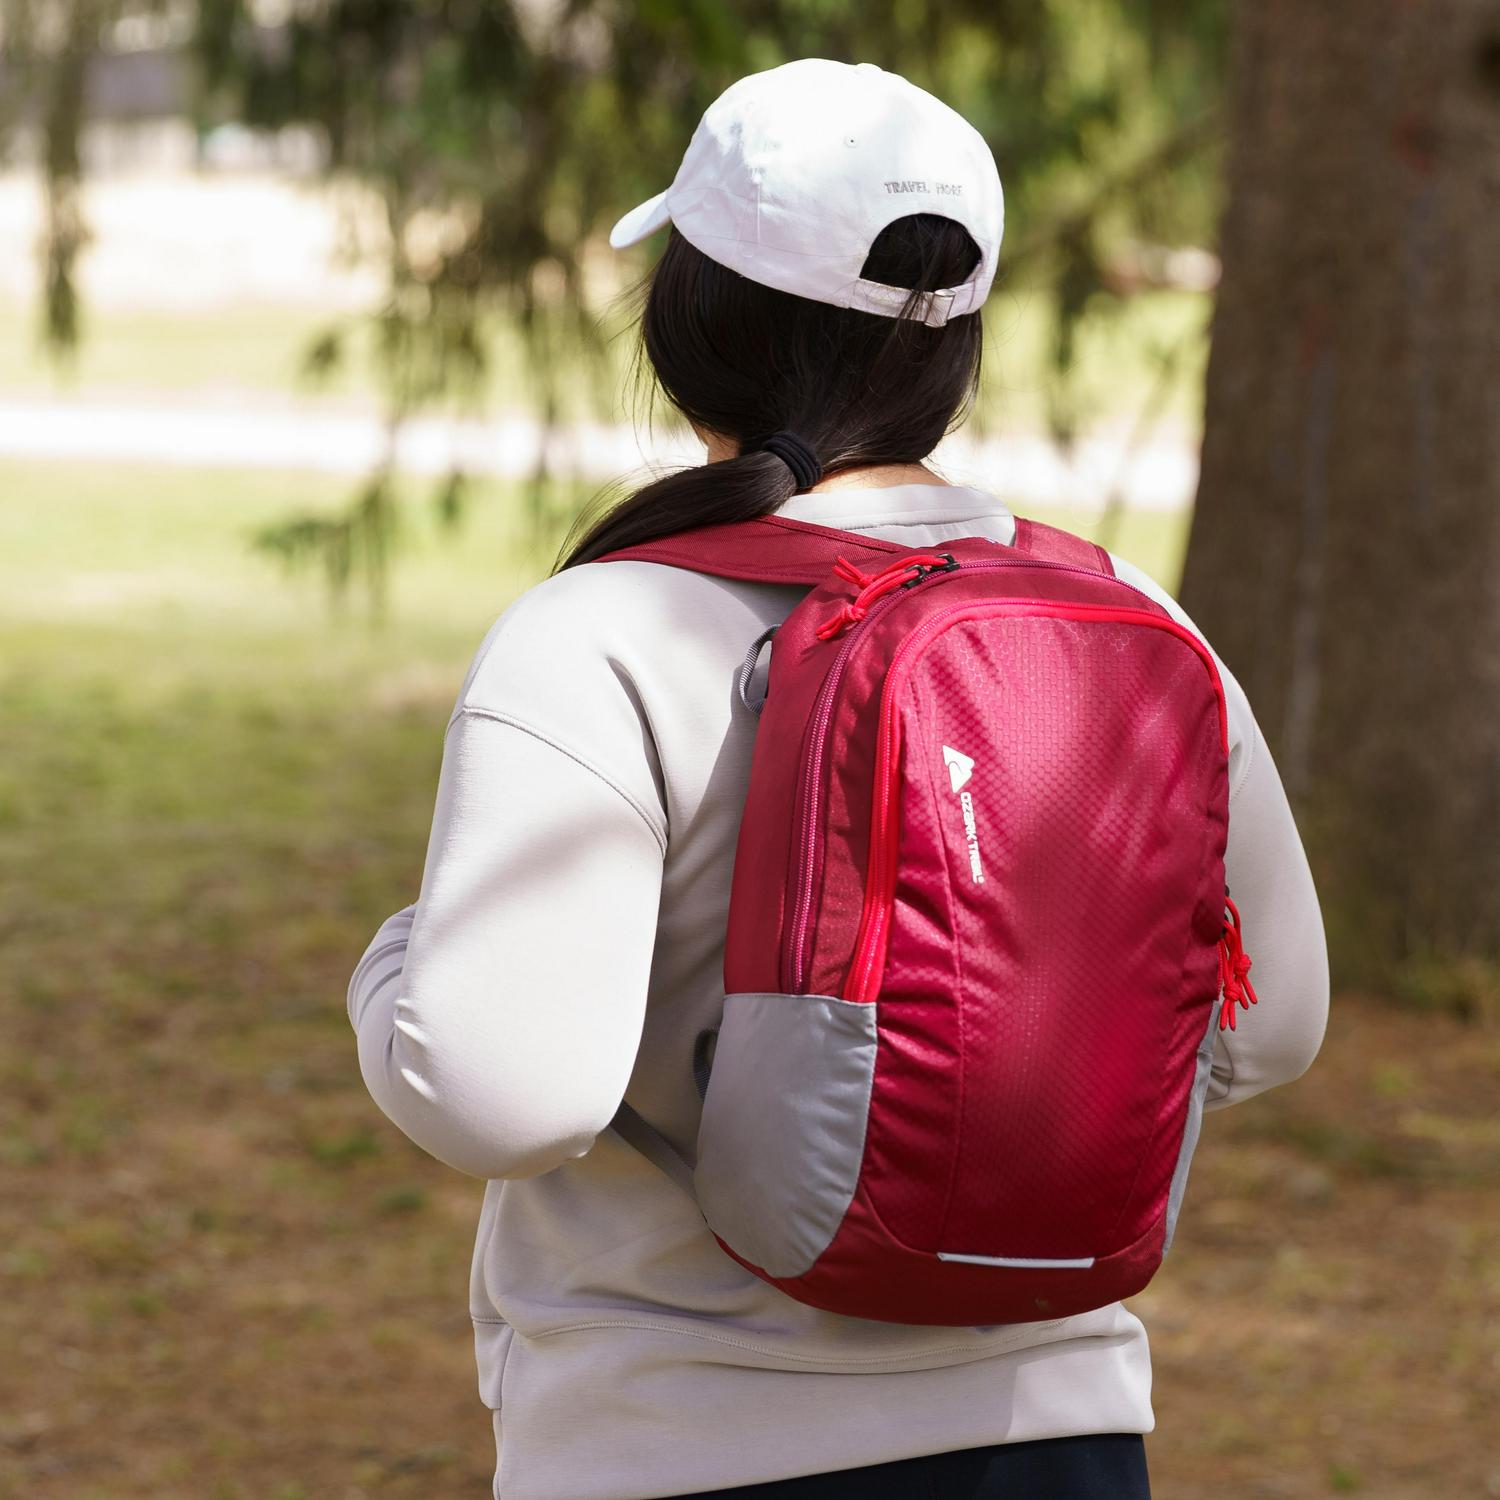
(792, 173)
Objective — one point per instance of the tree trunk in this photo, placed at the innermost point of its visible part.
(1345, 552)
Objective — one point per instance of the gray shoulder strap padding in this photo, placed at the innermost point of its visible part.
(634, 1131)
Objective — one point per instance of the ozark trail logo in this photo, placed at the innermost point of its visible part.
(960, 769)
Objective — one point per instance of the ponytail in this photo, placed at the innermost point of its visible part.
(734, 489)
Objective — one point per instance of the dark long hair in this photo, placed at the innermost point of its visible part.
(744, 360)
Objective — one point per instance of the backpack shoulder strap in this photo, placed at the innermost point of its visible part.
(771, 549)
(777, 549)
(1048, 544)
(660, 1152)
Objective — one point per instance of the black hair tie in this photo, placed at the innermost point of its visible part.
(795, 454)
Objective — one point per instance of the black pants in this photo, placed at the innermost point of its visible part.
(1107, 1467)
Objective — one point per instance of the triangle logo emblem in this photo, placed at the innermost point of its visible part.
(960, 767)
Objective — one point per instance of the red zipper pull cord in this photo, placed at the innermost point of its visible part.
(1234, 967)
(846, 570)
(873, 586)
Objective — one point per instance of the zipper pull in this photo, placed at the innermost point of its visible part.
(1234, 968)
(843, 568)
(874, 586)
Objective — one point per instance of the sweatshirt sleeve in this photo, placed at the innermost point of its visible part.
(1267, 872)
(498, 1017)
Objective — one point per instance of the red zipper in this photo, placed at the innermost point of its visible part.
(805, 838)
(867, 969)
(806, 835)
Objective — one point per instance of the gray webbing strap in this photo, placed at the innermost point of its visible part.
(634, 1131)
(747, 671)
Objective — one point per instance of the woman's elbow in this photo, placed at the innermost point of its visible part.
(1301, 1038)
(1303, 1042)
(510, 1143)
(1272, 1045)
(1290, 1060)
(486, 1119)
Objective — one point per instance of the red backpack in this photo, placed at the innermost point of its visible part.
(979, 938)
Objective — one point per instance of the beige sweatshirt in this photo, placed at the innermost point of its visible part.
(563, 955)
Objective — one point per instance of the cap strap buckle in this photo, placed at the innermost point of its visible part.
(932, 308)
(939, 307)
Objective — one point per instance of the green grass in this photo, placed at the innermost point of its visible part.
(181, 725)
(256, 355)
(244, 354)
(228, 351)
(133, 547)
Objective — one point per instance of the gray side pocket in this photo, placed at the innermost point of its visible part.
(783, 1130)
(1194, 1126)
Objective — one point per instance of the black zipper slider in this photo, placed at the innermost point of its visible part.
(949, 564)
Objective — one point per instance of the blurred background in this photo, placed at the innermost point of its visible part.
(310, 351)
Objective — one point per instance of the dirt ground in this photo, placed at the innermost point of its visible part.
(252, 1288)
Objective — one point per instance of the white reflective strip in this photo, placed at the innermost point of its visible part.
(1020, 1262)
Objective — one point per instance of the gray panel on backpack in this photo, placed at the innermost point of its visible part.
(1193, 1127)
(783, 1129)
